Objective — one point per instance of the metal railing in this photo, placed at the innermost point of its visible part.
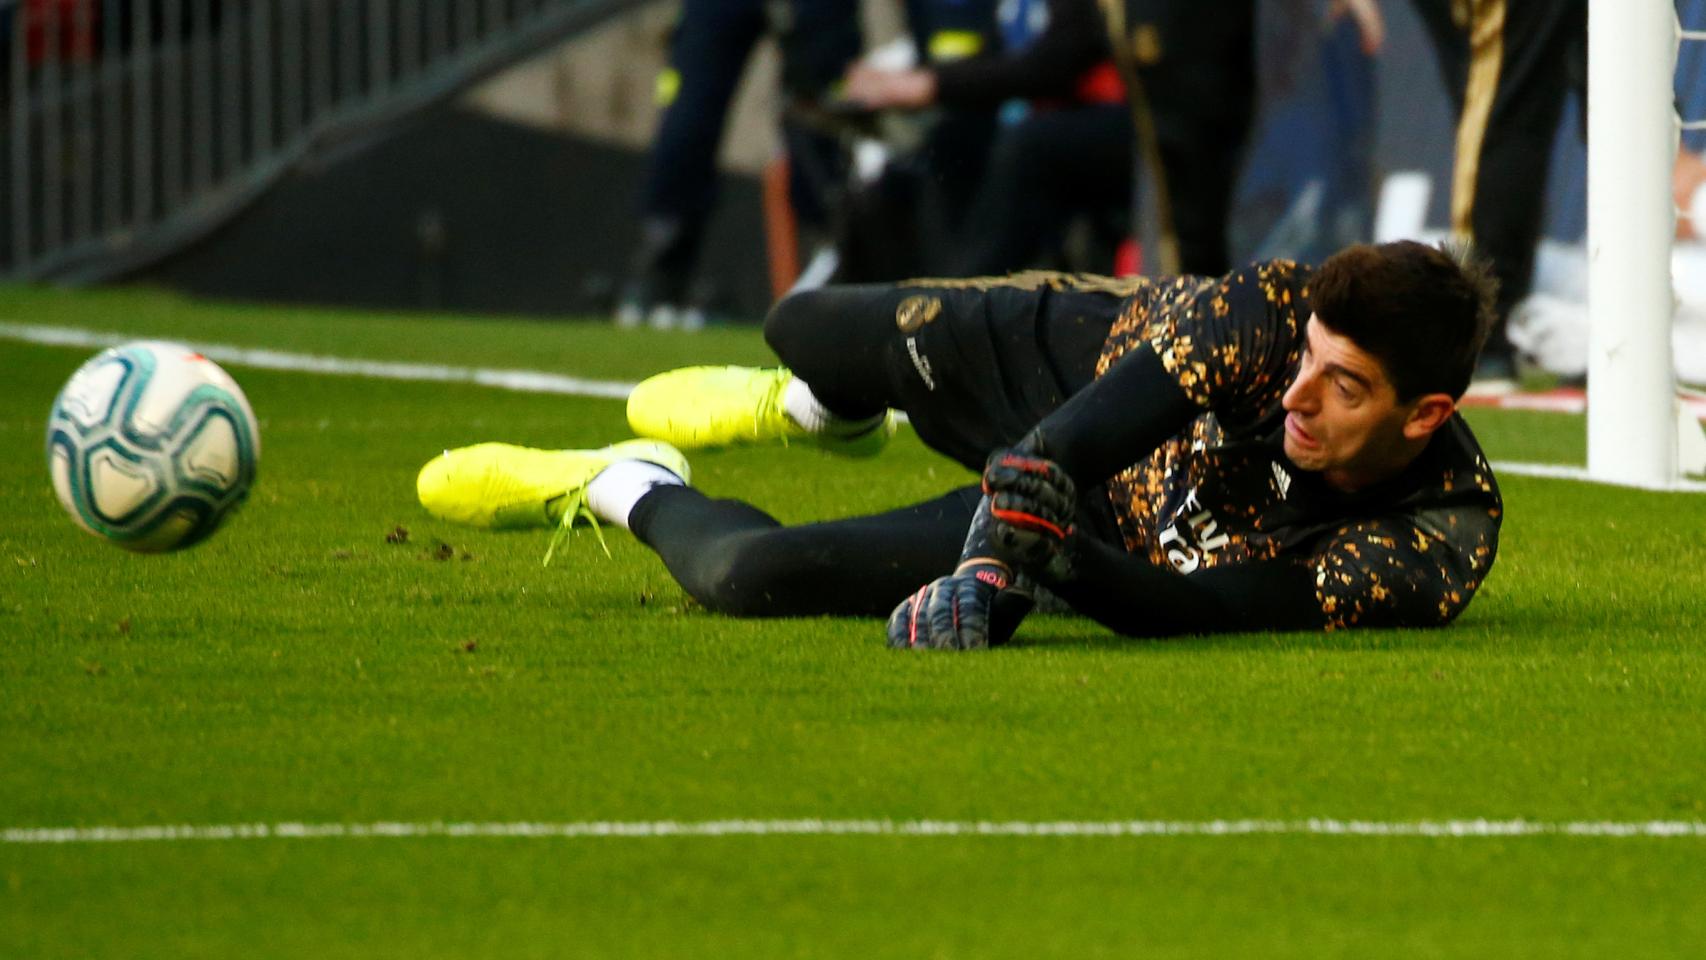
(132, 127)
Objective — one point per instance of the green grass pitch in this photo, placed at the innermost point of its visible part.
(300, 667)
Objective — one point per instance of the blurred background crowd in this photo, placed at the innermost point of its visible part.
(670, 164)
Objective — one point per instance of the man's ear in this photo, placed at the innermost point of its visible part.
(1429, 414)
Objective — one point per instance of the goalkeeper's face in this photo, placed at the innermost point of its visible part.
(1344, 418)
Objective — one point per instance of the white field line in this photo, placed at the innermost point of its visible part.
(525, 381)
(652, 829)
(1572, 402)
(1554, 471)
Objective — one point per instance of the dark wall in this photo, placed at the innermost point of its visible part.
(461, 211)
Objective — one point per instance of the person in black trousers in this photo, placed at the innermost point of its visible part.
(1508, 66)
(1189, 72)
(709, 49)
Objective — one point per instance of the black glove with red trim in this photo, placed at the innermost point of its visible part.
(970, 609)
(1024, 524)
(1033, 505)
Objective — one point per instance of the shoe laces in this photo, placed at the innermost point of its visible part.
(770, 409)
(575, 509)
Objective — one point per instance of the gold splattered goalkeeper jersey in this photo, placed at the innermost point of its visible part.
(1410, 551)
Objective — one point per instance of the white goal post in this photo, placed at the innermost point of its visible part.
(1633, 420)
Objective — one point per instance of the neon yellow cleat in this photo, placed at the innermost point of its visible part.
(697, 407)
(506, 487)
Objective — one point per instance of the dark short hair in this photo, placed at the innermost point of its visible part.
(1422, 311)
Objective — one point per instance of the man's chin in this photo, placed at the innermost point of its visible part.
(1302, 457)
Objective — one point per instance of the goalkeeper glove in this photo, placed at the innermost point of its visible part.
(964, 610)
(1032, 507)
(973, 608)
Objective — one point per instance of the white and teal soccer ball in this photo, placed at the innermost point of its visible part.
(151, 446)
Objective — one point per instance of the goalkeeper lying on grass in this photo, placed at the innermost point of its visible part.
(1276, 449)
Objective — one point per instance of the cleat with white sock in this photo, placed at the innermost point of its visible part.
(503, 486)
(696, 407)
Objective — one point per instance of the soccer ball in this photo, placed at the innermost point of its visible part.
(151, 446)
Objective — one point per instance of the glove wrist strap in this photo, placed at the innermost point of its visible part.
(979, 549)
(990, 570)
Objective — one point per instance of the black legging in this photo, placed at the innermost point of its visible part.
(1004, 355)
(837, 340)
(843, 341)
(734, 558)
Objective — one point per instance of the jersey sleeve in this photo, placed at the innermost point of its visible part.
(1417, 571)
(1405, 571)
(1233, 342)
(1134, 597)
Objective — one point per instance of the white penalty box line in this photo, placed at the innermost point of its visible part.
(524, 381)
(664, 829)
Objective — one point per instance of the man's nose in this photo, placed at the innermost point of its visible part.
(1300, 396)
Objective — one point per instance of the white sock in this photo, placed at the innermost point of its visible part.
(613, 493)
(803, 407)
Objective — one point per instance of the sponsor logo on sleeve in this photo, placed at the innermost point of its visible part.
(914, 312)
(921, 363)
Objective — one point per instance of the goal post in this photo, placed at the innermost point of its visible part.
(1633, 425)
